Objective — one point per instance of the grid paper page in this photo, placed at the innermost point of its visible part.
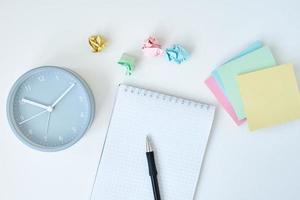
(179, 130)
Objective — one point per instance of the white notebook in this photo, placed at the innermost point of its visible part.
(179, 131)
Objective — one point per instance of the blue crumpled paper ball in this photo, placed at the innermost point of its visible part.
(177, 54)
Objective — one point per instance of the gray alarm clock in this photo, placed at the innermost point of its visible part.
(50, 108)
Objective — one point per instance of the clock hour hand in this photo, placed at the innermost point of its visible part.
(62, 95)
(34, 103)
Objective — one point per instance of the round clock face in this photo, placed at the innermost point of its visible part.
(50, 108)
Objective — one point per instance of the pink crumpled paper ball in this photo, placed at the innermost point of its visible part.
(152, 48)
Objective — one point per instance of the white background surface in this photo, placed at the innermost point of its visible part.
(239, 165)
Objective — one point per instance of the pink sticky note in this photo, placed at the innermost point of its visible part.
(220, 96)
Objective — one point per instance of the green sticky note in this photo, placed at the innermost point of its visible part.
(256, 60)
(128, 62)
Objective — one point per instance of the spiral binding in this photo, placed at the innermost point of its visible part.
(164, 97)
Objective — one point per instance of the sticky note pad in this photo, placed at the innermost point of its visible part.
(271, 96)
(258, 59)
(215, 85)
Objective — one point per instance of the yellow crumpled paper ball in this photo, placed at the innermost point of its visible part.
(97, 43)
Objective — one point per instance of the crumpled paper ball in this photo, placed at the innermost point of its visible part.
(128, 62)
(177, 54)
(97, 43)
(152, 48)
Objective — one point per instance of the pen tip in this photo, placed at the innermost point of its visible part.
(148, 144)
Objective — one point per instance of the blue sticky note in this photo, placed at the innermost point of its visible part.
(177, 54)
(252, 47)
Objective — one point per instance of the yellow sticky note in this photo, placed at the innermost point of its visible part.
(270, 96)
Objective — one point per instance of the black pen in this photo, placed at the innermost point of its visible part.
(152, 169)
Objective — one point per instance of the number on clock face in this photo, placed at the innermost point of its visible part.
(51, 108)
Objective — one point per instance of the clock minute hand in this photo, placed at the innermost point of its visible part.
(62, 95)
(34, 103)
